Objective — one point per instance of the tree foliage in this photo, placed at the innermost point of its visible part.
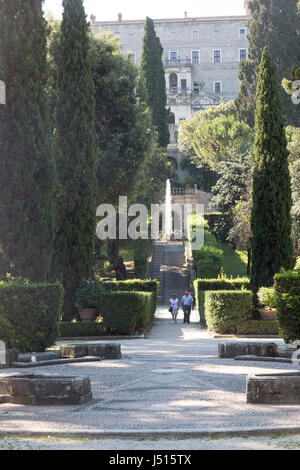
(271, 222)
(275, 24)
(77, 153)
(215, 141)
(27, 169)
(294, 161)
(231, 189)
(152, 83)
(188, 127)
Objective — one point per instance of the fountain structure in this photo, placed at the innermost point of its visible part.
(167, 229)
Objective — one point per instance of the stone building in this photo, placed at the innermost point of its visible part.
(201, 58)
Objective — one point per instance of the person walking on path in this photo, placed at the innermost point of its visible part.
(187, 304)
(174, 307)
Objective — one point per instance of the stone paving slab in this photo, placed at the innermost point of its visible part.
(173, 380)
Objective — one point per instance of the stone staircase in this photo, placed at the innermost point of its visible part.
(169, 268)
(157, 263)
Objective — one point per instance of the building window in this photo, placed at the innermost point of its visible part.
(218, 87)
(243, 54)
(242, 33)
(195, 57)
(173, 56)
(132, 56)
(173, 83)
(217, 57)
(196, 88)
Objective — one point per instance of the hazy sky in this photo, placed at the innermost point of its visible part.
(139, 9)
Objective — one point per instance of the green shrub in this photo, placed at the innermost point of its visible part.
(6, 333)
(88, 294)
(227, 312)
(202, 285)
(33, 311)
(287, 287)
(212, 219)
(267, 296)
(135, 285)
(126, 312)
(259, 327)
(80, 329)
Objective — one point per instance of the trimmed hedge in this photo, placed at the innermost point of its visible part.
(228, 312)
(203, 285)
(80, 329)
(260, 327)
(125, 313)
(33, 311)
(287, 287)
(135, 285)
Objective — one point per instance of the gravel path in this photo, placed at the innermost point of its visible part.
(248, 443)
(172, 380)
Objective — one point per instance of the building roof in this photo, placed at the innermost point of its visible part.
(194, 20)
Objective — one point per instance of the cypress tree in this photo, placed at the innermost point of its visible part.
(275, 24)
(271, 222)
(77, 159)
(152, 83)
(27, 169)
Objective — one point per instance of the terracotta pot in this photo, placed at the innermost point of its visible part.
(268, 315)
(88, 314)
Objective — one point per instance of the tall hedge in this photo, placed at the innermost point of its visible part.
(77, 156)
(135, 285)
(287, 286)
(203, 285)
(33, 313)
(126, 312)
(228, 312)
(271, 222)
(27, 168)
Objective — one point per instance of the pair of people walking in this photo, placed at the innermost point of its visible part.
(187, 304)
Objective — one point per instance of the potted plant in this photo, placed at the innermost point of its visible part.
(88, 300)
(267, 297)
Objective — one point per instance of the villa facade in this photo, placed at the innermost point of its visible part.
(201, 58)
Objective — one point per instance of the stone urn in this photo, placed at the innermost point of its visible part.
(268, 314)
(88, 314)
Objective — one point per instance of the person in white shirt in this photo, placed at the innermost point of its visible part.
(174, 307)
(187, 304)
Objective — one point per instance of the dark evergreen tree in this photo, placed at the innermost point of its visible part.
(271, 222)
(124, 128)
(152, 83)
(27, 169)
(275, 24)
(77, 158)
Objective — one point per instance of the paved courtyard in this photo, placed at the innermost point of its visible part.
(170, 381)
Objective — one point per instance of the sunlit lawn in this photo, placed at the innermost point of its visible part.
(234, 262)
